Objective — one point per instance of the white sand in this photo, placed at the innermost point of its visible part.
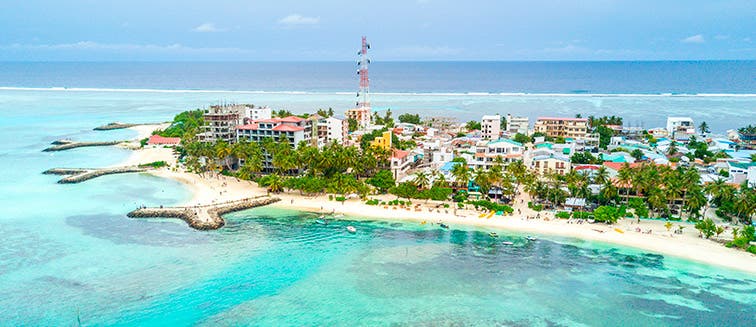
(213, 188)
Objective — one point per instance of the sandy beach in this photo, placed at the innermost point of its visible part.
(213, 188)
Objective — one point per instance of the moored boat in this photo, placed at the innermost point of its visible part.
(351, 229)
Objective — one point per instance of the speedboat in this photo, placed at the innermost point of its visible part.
(507, 243)
(351, 229)
(493, 234)
(445, 226)
(321, 221)
(531, 238)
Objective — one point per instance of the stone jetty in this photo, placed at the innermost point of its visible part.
(79, 175)
(207, 217)
(61, 145)
(118, 125)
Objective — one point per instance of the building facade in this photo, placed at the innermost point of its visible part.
(490, 127)
(221, 122)
(332, 130)
(487, 152)
(517, 125)
(575, 128)
(360, 115)
(549, 164)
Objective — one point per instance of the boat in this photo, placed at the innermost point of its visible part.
(531, 238)
(507, 243)
(493, 234)
(338, 216)
(423, 222)
(351, 229)
(445, 226)
(321, 222)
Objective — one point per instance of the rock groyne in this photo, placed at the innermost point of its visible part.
(203, 217)
(61, 145)
(79, 175)
(119, 125)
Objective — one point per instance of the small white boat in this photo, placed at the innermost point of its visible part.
(531, 238)
(338, 216)
(351, 229)
(507, 243)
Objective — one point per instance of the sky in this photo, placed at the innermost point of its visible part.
(286, 30)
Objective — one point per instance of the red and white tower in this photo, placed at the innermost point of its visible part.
(361, 113)
(364, 92)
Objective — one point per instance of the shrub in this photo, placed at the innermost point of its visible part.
(460, 205)
(330, 197)
(156, 164)
(535, 207)
(492, 206)
(752, 249)
(446, 205)
(562, 215)
(340, 198)
(372, 202)
(607, 214)
(581, 215)
(143, 142)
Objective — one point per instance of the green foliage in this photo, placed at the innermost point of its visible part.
(472, 125)
(383, 181)
(410, 118)
(154, 164)
(584, 158)
(605, 120)
(340, 198)
(435, 193)
(724, 173)
(373, 202)
(143, 142)
(404, 190)
(605, 135)
(352, 123)
(522, 138)
(535, 207)
(706, 227)
(562, 215)
(639, 207)
(282, 113)
(559, 140)
(184, 125)
(492, 206)
(581, 215)
(325, 113)
(607, 214)
(750, 129)
(637, 154)
(460, 197)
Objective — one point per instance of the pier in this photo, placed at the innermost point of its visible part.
(79, 175)
(61, 145)
(207, 217)
(117, 125)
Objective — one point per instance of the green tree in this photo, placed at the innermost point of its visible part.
(703, 127)
(352, 123)
(522, 138)
(606, 214)
(637, 154)
(472, 125)
(410, 118)
(706, 227)
(383, 181)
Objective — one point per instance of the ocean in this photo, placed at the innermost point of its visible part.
(69, 254)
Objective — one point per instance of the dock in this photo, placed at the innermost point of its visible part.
(207, 217)
(117, 125)
(61, 145)
(78, 175)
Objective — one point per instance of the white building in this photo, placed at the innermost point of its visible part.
(487, 152)
(257, 113)
(517, 125)
(490, 127)
(680, 128)
(292, 129)
(332, 130)
(751, 176)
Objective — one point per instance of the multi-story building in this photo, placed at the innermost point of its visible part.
(291, 130)
(517, 125)
(486, 152)
(361, 115)
(575, 128)
(490, 127)
(552, 163)
(252, 113)
(401, 161)
(332, 130)
(383, 142)
(221, 122)
(680, 128)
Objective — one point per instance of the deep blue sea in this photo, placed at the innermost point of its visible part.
(70, 254)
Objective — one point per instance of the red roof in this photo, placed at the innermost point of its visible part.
(159, 140)
(248, 127)
(290, 119)
(582, 167)
(287, 128)
(399, 154)
(618, 165)
(562, 118)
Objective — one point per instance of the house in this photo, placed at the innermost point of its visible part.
(361, 115)
(517, 125)
(490, 127)
(157, 140)
(486, 152)
(292, 130)
(221, 122)
(680, 128)
(383, 141)
(332, 130)
(401, 161)
(738, 171)
(553, 163)
(576, 128)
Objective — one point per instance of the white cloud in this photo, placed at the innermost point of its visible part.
(698, 38)
(297, 19)
(207, 28)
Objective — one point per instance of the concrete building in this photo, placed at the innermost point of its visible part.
(401, 161)
(360, 115)
(383, 142)
(575, 128)
(252, 113)
(680, 128)
(332, 130)
(292, 129)
(517, 125)
(221, 122)
(553, 163)
(490, 127)
(486, 152)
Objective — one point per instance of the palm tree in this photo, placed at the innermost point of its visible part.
(275, 184)
(483, 180)
(461, 174)
(222, 152)
(421, 179)
(624, 176)
(602, 175)
(704, 127)
(608, 191)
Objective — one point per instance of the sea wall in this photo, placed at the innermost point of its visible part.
(202, 217)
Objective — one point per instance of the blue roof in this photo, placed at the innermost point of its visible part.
(613, 157)
(449, 166)
(507, 141)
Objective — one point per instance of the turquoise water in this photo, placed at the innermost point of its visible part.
(68, 251)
